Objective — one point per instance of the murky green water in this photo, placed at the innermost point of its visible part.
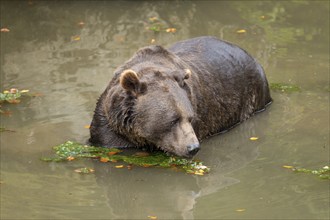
(48, 51)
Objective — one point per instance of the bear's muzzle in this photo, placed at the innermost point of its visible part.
(193, 149)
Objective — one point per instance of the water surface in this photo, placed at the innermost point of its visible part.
(68, 50)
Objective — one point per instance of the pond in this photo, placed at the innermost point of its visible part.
(66, 52)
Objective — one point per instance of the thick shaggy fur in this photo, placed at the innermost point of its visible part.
(170, 98)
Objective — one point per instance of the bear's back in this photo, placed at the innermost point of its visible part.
(219, 56)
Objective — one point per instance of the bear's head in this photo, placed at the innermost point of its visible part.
(156, 110)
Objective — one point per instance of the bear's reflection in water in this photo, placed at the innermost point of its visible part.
(168, 194)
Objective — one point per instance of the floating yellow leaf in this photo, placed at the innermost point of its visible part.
(199, 173)
(75, 38)
(87, 126)
(152, 19)
(171, 30)
(146, 165)
(240, 210)
(254, 138)
(241, 31)
(119, 166)
(5, 92)
(70, 158)
(287, 167)
(104, 159)
(152, 41)
(152, 217)
(25, 91)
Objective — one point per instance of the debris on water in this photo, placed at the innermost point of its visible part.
(70, 158)
(254, 138)
(5, 30)
(104, 159)
(112, 153)
(283, 87)
(170, 30)
(12, 95)
(81, 24)
(75, 38)
(241, 31)
(153, 19)
(72, 150)
(323, 173)
(84, 170)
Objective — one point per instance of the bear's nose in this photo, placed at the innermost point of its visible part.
(193, 149)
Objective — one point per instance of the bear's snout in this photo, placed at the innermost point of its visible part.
(193, 149)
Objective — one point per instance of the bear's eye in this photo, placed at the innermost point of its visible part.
(190, 119)
(175, 121)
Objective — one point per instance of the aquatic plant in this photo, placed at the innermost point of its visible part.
(283, 87)
(71, 150)
(323, 173)
(12, 95)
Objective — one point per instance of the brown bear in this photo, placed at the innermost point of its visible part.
(171, 99)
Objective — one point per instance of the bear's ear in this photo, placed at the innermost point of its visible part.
(187, 74)
(129, 80)
(181, 76)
